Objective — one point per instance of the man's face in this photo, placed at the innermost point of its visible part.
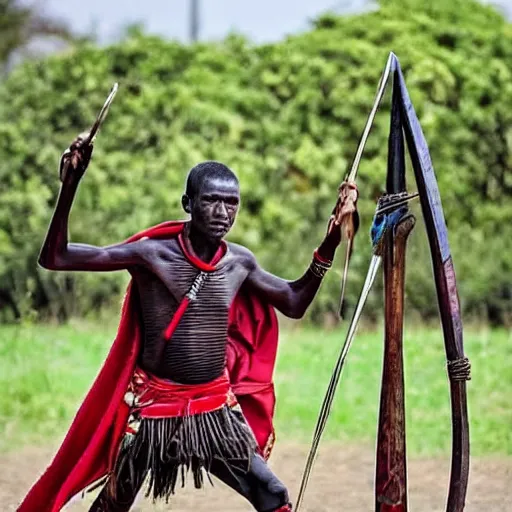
(214, 208)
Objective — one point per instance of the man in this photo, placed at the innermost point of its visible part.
(163, 403)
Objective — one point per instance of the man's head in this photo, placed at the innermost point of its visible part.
(211, 198)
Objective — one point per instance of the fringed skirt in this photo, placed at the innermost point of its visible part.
(166, 449)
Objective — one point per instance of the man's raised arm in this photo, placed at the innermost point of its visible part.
(57, 253)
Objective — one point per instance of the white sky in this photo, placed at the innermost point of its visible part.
(262, 20)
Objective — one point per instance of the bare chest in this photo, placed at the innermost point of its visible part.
(171, 275)
(196, 351)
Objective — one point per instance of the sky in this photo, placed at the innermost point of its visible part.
(261, 21)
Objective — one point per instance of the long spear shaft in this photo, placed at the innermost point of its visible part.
(333, 384)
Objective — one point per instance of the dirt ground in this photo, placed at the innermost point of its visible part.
(342, 480)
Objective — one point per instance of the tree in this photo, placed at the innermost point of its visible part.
(20, 24)
(287, 118)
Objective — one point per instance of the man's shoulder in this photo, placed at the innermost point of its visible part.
(241, 252)
(156, 246)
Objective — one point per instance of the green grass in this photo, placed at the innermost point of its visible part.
(46, 370)
(305, 365)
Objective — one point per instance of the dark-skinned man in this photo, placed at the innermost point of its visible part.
(164, 403)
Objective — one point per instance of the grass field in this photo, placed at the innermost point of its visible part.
(45, 371)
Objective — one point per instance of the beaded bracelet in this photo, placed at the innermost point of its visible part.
(319, 266)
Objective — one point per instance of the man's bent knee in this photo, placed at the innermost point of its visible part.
(276, 488)
(272, 494)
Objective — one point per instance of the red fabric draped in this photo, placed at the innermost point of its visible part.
(91, 444)
(251, 355)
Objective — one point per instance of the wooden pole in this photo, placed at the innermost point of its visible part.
(194, 20)
(391, 471)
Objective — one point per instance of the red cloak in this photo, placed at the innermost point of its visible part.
(88, 451)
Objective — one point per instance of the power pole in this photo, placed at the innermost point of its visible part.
(194, 20)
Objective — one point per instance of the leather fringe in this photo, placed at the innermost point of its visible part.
(167, 449)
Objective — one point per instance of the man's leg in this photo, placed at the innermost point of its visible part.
(120, 496)
(259, 485)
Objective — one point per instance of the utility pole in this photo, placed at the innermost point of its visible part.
(194, 20)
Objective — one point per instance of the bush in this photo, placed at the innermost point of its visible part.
(287, 118)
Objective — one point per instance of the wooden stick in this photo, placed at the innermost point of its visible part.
(391, 474)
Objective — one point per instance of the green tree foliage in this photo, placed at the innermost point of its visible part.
(287, 118)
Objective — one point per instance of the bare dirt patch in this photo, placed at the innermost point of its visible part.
(342, 480)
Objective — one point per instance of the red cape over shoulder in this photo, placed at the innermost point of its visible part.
(90, 446)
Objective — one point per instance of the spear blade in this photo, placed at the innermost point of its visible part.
(88, 140)
(102, 115)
